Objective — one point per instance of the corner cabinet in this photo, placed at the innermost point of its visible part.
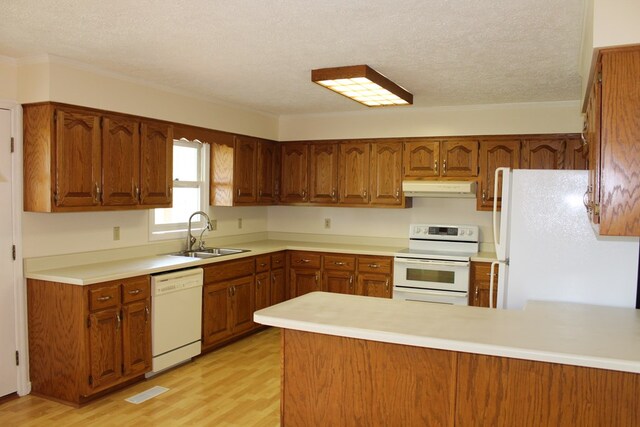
(84, 340)
(613, 143)
(80, 159)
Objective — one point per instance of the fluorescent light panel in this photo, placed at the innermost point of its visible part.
(362, 84)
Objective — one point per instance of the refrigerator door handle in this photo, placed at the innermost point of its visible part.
(492, 278)
(498, 237)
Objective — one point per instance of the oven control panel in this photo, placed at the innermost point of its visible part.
(444, 232)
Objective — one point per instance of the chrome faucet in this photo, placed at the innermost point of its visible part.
(190, 238)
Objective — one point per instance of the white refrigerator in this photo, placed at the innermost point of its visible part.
(547, 249)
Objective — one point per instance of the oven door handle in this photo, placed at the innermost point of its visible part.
(430, 262)
(439, 294)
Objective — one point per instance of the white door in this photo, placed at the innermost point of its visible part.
(8, 346)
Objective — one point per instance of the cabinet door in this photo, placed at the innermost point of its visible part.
(479, 285)
(386, 174)
(244, 170)
(323, 173)
(267, 171)
(421, 158)
(576, 154)
(459, 158)
(495, 154)
(304, 280)
(216, 313)
(105, 348)
(136, 338)
(339, 281)
(543, 154)
(354, 173)
(78, 164)
(263, 290)
(156, 167)
(243, 304)
(374, 285)
(120, 161)
(293, 181)
(278, 286)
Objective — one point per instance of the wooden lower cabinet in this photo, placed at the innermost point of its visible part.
(479, 285)
(339, 273)
(375, 276)
(305, 272)
(331, 380)
(228, 301)
(84, 340)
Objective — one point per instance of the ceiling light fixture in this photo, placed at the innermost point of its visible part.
(362, 84)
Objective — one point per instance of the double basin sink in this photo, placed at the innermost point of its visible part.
(209, 252)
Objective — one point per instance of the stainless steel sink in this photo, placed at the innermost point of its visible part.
(209, 252)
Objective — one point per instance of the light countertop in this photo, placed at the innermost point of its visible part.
(88, 274)
(573, 334)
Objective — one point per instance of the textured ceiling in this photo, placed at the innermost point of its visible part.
(259, 54)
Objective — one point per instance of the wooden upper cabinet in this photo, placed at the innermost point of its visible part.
(267, 184)
(120, 160)
(293, 181)
(221, 149)
(592, 133)
(323, 173)
(244, 170)
(543, 154)
(421, 158)
(431, 158)
(459, 158)
(386, 173)
(495, 154)
(576, 154)
(615, 143)
(78, 164)
(354, 173)
(156, 167)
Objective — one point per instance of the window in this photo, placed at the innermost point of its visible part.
(190, 177)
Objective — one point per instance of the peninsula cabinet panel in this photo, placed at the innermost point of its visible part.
(121, 161)
(244, 170)
(386, 174)
(323, 173)
(497, 391)
(615, 143)
(421, 158)
(495, 154)
(293, 181)
(156, 169)
(354, 173)
(336, 381)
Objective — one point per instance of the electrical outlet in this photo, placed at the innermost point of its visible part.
(239, 222)
(214, 224)
(116, 233)
(327, 223)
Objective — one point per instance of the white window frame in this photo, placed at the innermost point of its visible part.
(178, 230)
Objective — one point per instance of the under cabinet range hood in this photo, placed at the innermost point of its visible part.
(461, 189)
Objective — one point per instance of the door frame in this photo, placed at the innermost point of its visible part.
(20, 295)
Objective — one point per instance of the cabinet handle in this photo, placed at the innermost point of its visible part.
(339, 263)
(230, 291)
(333, 194)
(273, 278)
(238, 192)
(484, 195)
(259, 284)
(119, 320)
(386, 285)
(260, 193)
(585, 199)
(317, 278)
(277, 261)
(476, 291)
(146, 314)
(304, 194)
(397, 194)
(374, 266)
(583, 138)
(351, 281)
(97, 196)
(262, 264)
(170, 191)
(435, 166)
(134, 292)
(444, 167)
(106, 298)
(136, 192)
(303, 260)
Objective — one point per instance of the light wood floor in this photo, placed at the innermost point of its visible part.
(238, 385)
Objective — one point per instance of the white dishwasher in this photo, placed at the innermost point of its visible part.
(176, 317)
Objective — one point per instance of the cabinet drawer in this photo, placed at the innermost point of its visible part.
(369, 264)
(277, 260)
(229, 270)
(340, 262)
(104, 297)
(305, 259)
(135, 289)
(262, 263)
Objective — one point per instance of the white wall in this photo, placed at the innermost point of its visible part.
(554, 117)
(8, 79)
(392, 223)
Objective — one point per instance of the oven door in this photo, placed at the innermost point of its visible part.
(435, 275)
(436, 297)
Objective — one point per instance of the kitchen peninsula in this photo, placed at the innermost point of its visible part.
(372, 361)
